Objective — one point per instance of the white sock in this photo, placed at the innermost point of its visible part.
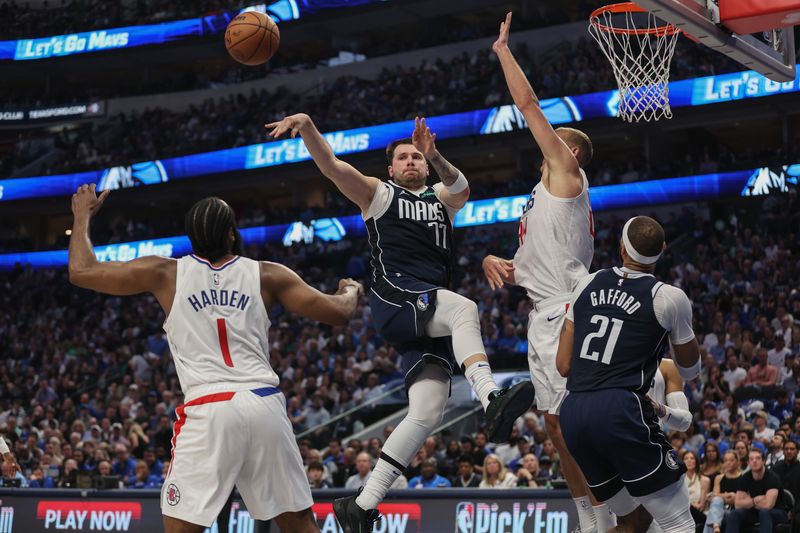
(606, 520)
(383, 476)
(480, 378)
(586, 516)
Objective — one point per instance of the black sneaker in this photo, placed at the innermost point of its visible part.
(351, 517)
(504, 407)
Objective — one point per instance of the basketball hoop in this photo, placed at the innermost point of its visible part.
(639, 47)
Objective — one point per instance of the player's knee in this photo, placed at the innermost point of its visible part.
(429, 420)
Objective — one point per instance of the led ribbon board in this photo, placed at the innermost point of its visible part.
(759, 181)
(700, 91)
(154, 34)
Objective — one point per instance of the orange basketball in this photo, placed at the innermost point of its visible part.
(252, 38)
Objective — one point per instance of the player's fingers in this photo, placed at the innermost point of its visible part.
(103, 196)
(508, 19)
(92, 187)
(433, 137)
(271, 124)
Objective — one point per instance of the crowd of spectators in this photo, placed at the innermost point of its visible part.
(88, 388)
(434, 87)
(19, 19)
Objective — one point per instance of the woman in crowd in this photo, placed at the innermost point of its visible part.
(495, 475)
(698, 484)
(725, 486)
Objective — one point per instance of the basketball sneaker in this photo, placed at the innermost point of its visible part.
(505, 406)
(351, 517)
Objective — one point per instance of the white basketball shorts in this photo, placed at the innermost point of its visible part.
(234, 438)
(544, 332)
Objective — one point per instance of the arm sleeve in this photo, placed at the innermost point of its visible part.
(451, 211)
(678, 416)
(674, 312)
(579, 288)
(380, 202)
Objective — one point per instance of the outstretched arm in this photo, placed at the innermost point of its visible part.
(358, 188)
(456, 189)
(280, 284)
(498, 271)
(567, 182)
(120, 278)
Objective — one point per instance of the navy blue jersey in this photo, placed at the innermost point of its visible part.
(413, 237)
(618, 340)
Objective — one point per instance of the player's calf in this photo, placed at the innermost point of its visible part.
(297, 522)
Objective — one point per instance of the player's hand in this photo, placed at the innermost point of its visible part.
(502, 39)
(347, 283)
(11, 461)
(423, 139)
(497, 270)
(661, 411)
(292, 124)
(85, 201)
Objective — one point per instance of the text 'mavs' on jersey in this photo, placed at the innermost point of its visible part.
(618, 341)
(412, 235)
(218, 327)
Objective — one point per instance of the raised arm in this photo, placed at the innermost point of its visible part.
(121, 278)
(456, 189)
(280, 284)
(567, 182)
(358, 188)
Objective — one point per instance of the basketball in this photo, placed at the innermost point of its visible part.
(252, 38)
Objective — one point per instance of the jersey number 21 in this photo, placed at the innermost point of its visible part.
(611, 341)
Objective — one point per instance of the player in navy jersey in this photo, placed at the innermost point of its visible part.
(619, 324)
(410, 227)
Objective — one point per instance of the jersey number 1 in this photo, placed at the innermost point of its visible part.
(222, 332)
(616, 327)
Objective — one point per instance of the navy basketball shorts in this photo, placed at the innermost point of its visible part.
(401, 307)
(616, 439)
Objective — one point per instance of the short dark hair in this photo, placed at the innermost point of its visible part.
(393, 145)
(790, 441)
(466, 459)
(759, 451)
(646, 236)
(207, 225)
(577, 139)
(316, 465)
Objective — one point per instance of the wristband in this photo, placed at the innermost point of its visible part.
(689, 373)
(459, 185)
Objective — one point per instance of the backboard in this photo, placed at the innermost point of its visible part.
(768, 50)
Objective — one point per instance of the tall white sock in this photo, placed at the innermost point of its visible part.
(480, 378)
(586, 516)
(606, 520)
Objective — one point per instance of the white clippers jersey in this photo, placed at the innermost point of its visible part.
(556, 242)
(217, 328)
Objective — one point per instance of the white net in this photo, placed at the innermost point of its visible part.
(639, 47)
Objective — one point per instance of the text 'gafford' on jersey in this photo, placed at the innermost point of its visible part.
(556, 242)
(217, 327)
(412, 235)
(618, 340)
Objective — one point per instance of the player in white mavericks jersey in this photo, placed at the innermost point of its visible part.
(556, 246)
(232, 428)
